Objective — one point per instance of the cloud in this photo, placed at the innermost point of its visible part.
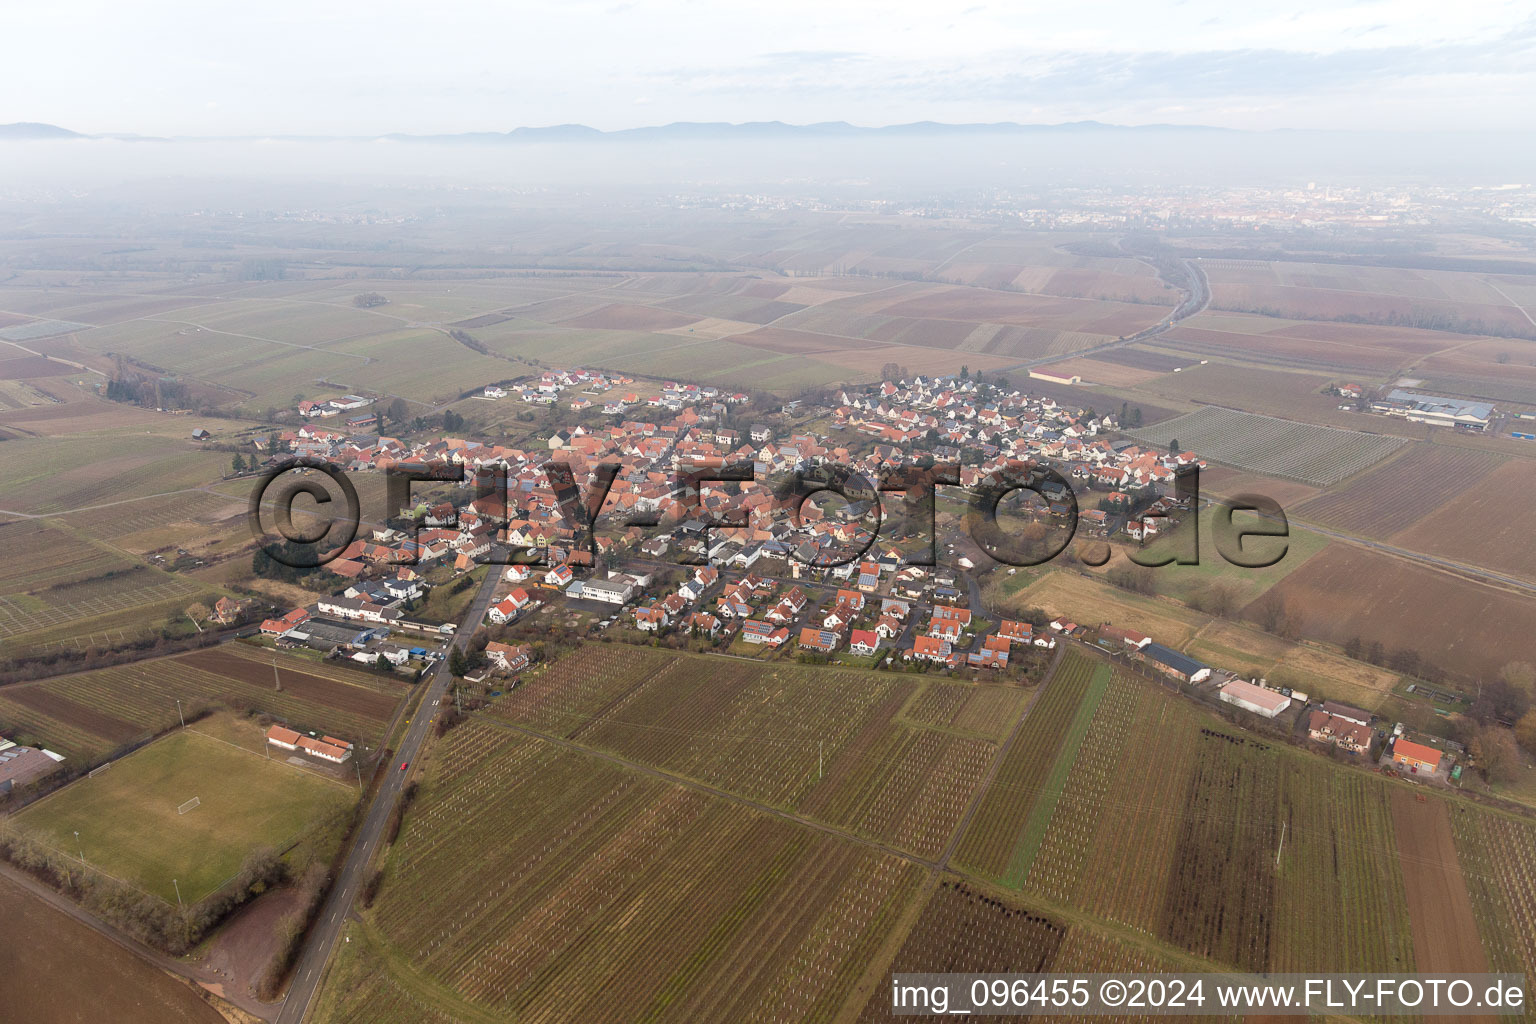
(1076, 77)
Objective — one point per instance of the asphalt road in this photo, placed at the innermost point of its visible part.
(327, 930)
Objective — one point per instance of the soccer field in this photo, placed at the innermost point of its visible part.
(130, 827)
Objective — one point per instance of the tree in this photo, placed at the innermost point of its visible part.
(1500, 701)
(452, 421)
(368, 300)
(398, 412)
(1219, 598)
(1519, 674)
(198, 612)
(1494, 751)
(1525, 732)
(1274, 615)
(1405, 660)
(458, 662)
(1173, 446)
(239, 464)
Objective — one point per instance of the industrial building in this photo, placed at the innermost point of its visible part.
(1435, 410)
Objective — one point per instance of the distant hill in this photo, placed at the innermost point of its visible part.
(34, 130)
(694, 131)
(678, 131)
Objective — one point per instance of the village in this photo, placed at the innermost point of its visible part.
(790, 578)
(806, 578)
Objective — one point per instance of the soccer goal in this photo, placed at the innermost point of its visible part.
(184, 808)
(99, 769)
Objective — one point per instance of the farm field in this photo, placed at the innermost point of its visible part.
(1487, 524)
(1444, 929)
(256, 340)
(131, 827)
(41, 556)
(1275, 447)
(1192, 583)
(979, 305)
(835, 745)
(964, 930)
(18, 394)
(981, 710)
(1145, 358)
(64, 587)
(998, 844)
(1466, 628)
(57, 474)
(187, 520)
(89, 714)
(1496, 855)
(1086, 600)
(1285, 394)
(698, 908)
(1226, 482)
(1233, 852)
(1191, 852)
(77, 411)
(1307, 667)
(78, 974)
(707, 355)
(1401, 492)
(1326, 292)
(1342, 348)
(1490, 381)
(1096, 371)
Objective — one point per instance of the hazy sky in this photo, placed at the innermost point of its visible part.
(285, 66)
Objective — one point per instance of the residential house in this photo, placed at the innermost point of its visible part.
(864, 641)
(509, 657)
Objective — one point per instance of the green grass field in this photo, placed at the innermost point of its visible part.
(1186, 582)
(129, 826)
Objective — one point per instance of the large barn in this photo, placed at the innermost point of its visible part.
(1171, 662)
(1257, 699)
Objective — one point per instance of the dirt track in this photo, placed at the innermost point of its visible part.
(1439, 907)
